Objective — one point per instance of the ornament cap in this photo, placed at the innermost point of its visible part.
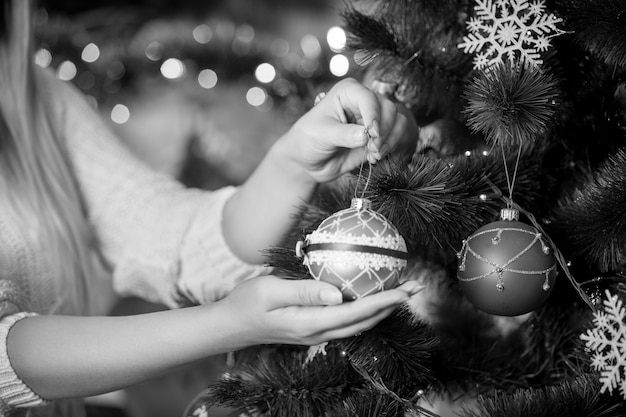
(361, 204)
(509, 214)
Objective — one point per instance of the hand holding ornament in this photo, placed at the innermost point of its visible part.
(331, 139)
(303, 312)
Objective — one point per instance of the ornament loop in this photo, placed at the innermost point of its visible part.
(509, 214)
(361, 204)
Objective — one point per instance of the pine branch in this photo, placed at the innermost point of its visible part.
(397, 352)
(599, 26)
(412, 44)
(473, 358)
(570, 398)
(591, 222)
(277, 383)
(511, 104)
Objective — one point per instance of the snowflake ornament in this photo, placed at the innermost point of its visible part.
(509, 30)
(607, 344)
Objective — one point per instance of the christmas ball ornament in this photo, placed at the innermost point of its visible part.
(506, 268)
(357, 249)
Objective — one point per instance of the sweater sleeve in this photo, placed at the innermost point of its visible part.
(13, 391)
(162, 239)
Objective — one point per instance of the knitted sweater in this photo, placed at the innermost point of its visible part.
(158, 238)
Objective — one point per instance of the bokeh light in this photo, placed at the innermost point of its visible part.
(172, 68)
(311, 46)
(202, 34)
(207, 78)
(66, 71)
(43, 58)
(120, 114)
(336, 38)
(90, 53)
(339, 65)
(256, 96)
(265, 73)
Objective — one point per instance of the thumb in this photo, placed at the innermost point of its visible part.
(309, 292)
(349, 136)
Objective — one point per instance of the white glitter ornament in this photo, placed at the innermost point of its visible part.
(356, 249)
(513, 30)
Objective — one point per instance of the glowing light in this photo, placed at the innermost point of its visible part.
(336, 38)
(43, 58)
(120, 114)
(202, 34)
(265, 73)
(207, 78)
(154, 51)
(116, 70)
(279, 47)
(311, 46)
(244, 33)
(172, 68)
(468, 153)
(90, 53)
(66, 71)
(339, 65)
(256, 96)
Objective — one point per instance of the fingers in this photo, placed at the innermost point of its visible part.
(367, 119)
(283, 293)
(351, 313)
(356, 102)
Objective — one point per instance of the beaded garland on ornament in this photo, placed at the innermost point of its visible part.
(356, 249)
(506, 268)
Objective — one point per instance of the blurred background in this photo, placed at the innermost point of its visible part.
(198, 89)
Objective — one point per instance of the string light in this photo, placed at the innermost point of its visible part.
(281, 70)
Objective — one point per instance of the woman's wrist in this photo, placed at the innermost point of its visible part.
(281, 157)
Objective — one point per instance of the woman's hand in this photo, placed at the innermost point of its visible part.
(305, 312)
(350, 123)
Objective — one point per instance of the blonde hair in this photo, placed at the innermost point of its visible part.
(35, 171)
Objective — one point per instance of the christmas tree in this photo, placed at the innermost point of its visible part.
(512, 209)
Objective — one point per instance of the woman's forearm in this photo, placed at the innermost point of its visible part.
(260, 213)
(63, 356)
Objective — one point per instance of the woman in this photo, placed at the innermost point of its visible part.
(74, 203)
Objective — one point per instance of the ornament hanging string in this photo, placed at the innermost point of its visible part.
(557, 253)
(369, 171)
(511, 181)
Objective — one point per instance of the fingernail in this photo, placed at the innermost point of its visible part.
(360, 137)
(330, 296)
(417, 290)
(373, 130)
